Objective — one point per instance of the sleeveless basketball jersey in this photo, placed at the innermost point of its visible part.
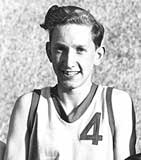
(89, 137)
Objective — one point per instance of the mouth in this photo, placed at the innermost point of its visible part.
(70, 74)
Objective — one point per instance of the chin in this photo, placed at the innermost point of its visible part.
(69, 86)
(73, 84)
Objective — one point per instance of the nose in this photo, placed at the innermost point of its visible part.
(70, 58)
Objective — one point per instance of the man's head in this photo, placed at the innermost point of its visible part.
(74, 45)
(73, 15)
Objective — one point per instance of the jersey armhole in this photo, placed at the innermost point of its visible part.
(31, 118)
(110, 110)
(33, 109)
(133, 135)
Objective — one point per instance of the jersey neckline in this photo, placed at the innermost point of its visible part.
(77, 112)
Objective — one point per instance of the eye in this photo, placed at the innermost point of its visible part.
(80, 49)
(60, 49)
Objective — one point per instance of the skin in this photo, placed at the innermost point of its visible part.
(72, 55)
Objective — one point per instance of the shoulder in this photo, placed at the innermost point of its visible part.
(123, 112)
(20, 112)
(121, 102)
(121, 99)
(122, 107)
(18, 119)
(23, 103)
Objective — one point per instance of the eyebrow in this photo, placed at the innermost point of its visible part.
(63, 46)
(80, 46)
(60, 44)
(75, 46)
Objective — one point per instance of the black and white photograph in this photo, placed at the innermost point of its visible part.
(70, 80)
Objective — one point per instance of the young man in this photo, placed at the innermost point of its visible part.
(74, 120)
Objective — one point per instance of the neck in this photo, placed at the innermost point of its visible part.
(72, 98)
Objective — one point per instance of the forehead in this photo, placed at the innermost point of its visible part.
(72, 33)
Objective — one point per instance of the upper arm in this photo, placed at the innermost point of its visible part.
(124, 124)
(15, 148)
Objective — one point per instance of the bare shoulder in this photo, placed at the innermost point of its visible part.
(15, 148)
(22, 104)
(124, 124)
(120, 93)
(122, 105)
(121, 99)
(19, 116)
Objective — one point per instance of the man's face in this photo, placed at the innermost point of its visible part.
(72, 53)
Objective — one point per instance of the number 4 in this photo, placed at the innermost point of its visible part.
(95, 123)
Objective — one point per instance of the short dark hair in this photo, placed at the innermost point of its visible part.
(73, 15)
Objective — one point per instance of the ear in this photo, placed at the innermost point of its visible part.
(99, 54)
(48, 50)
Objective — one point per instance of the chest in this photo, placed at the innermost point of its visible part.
(87, 138)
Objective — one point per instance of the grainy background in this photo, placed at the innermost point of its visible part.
(24, 64)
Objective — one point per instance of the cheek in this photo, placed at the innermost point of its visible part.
(87, 65)
(55, 58)
(89, 60)
(56, 61)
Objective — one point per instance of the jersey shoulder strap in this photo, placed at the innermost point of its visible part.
(110, 109)
(31, 118)
(33, 109)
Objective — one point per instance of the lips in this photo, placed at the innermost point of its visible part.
(70, 73)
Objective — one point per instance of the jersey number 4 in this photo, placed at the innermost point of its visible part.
(95, 124)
